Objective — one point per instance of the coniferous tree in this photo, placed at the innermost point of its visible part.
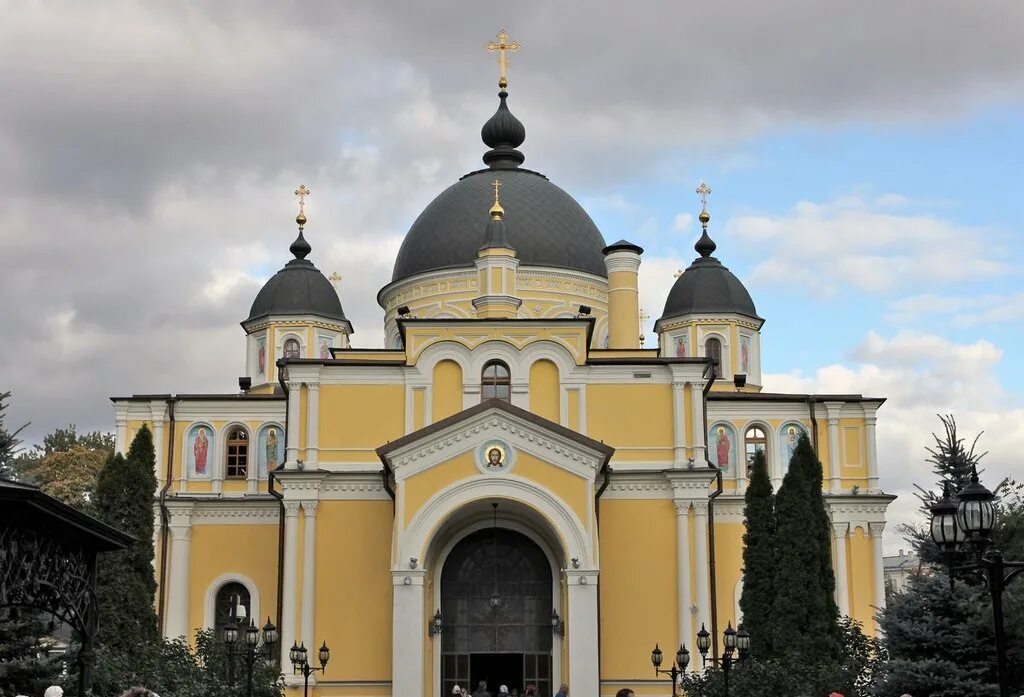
(805, 616)
(756, 602)
(125, 586)
(9, 441)
(25, 665)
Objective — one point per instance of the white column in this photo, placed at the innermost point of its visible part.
(877, 571)
(312, 425)
(291, 556)
(309, 573)
(700, 534)
(292, 436)
(685, 597)
(833, 446)
(176, 619)
(869, 424)
(581, 625)
(679, 425)
(699, 436)
(407, 632)
(121, 437)
(839, 531)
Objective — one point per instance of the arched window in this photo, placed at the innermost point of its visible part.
(232, 607)
(292, 348)
(755, 440)
(713, 350)
(496, 382)
(237, 454)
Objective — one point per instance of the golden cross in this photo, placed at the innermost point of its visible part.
(678, 273)
(703, 190)
(334, 278)
(643, 318)
(501, 45)
(497, 185)
(302, 192)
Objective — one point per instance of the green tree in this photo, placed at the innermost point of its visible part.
(70, 475)
(25, 666)
(759, 558)
(125, 586)
(805, 614)
(61, 440)
(10, 444)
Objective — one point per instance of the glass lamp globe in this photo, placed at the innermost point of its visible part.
(324, 655)
(682, 657)
(945, 529)
(703, 640)
(656, 657)
(975, 512)
(729, 636)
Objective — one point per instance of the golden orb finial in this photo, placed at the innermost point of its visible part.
(302, 192)
(497, 212)
(704, 190)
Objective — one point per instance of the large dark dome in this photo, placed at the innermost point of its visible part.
(544, 224)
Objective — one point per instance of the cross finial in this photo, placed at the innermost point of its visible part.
(335, 279)
(678, 273)
(502, 45)
(643, 320)
(302, 192)
(704, 190)
(496, 210)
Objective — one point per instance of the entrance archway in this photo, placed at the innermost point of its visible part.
(496, 600)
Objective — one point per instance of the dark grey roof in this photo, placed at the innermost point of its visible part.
(543, 223)
(708, 287)
(298, 289)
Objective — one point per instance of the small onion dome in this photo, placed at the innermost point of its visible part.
(707, 287)
(503, 133)
(298, 289)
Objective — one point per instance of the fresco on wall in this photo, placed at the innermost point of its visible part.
(200, 451)
(270, 452)
(790, 436)
(325, 344)
(744, 354)
(682, 346)
(261, 355)
(722, 446)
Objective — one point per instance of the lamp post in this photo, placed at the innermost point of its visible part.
(675, 670)
(737, 648)
(251, 650)
(965, 522)
(301, 666)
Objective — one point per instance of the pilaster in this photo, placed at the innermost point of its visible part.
(582, 631)
(407, 632)
(870, 421)
(309, 573)
(288, 595)
(878, 570)
(833, 410)
(839, 533)
(176, 620)
(292, 432)
(312, 425)
(685, 596)
(678, 425)
(700, 535)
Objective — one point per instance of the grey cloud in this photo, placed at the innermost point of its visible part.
(148, 151)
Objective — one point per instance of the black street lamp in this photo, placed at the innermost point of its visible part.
(251, 650)
(966, 523)
(301, 666)
(737, 648)
(675, 670)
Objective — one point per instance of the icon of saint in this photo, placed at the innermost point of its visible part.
(325, 349)
(261, 356)
(200, 448)
(745, 354)
(680, 347)
(494, 458)
(272, 449)
(791, 440)
(722, 444)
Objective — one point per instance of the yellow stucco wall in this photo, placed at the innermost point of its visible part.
(417, 489)
(357, 419)
(215, 550)
(353, 590)
(630, 415)
(861, 583)
(638, 585)
(544, 390)
(447, 390)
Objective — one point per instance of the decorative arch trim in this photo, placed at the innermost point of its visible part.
(210, 601)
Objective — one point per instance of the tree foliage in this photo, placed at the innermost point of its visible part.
(61, 440)
(70, 475)
(125, 587)
(804, 610)
(25, 666)
(759, 558)
(10, 444)
(173, 669)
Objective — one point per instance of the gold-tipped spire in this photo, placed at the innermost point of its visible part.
(704, 190)
(643, 320)
(497, 212)
(502, 45)
(302, 192)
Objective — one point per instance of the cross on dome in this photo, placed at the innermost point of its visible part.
(501, 46)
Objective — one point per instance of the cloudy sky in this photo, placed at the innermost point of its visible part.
(864, 157)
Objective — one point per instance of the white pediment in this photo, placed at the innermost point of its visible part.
(475, 428)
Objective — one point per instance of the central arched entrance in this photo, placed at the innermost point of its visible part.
(496, 600)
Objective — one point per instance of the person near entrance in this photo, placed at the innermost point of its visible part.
(481, 690)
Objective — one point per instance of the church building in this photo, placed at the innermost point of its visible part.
(514, 489)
